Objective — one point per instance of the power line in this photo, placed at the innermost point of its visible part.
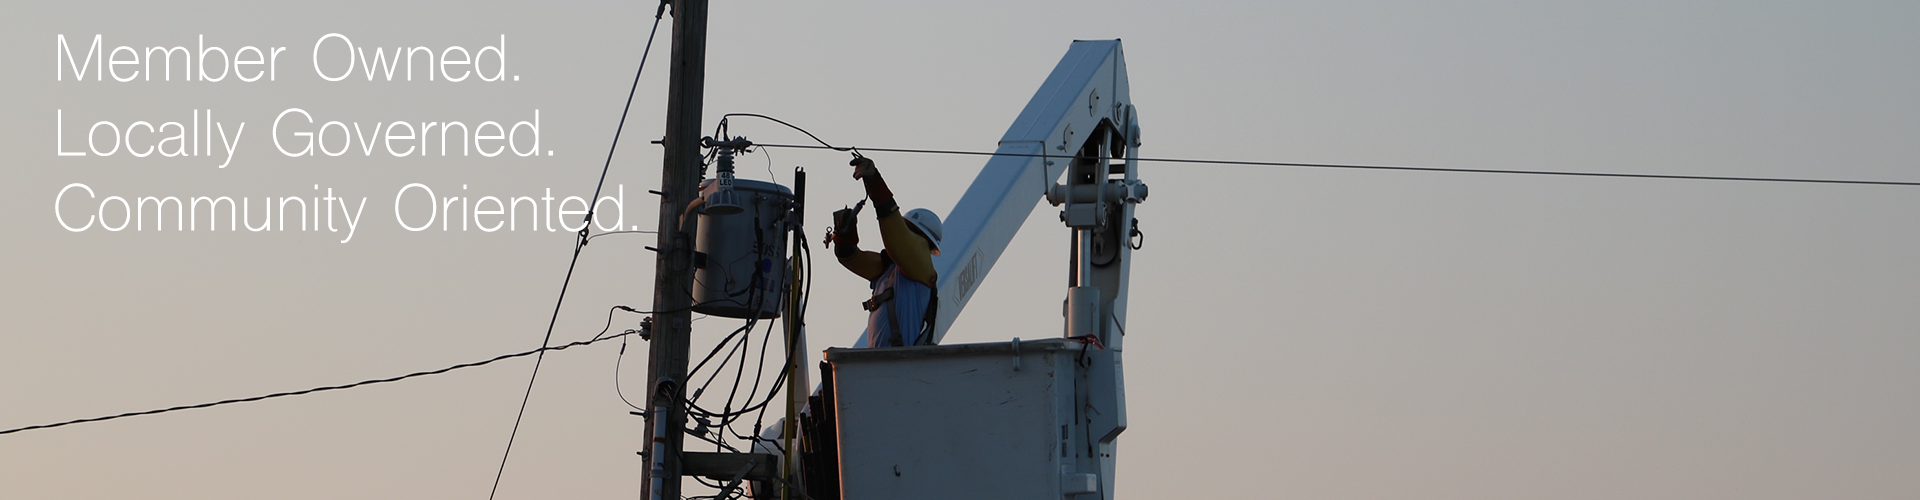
(823, 142)
(502, 357)
(579, 243)
(1381, 167)
(616, 373)
(636, 231)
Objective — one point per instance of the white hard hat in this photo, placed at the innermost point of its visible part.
(928, 224)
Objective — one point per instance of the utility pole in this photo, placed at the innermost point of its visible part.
(673, 269)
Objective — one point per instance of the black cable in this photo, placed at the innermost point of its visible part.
(724, 342)
(693, 406)
(609, 326)
(737, 342)
(1389, 167)
(778, 382)
(723, 120)
(636, 231)
(759, 300)
(727, 415)
(743, 346)
(796, 320)
(723, 423)
(770, 175)
(746, 348)
(759, 371)
(720, 445)
(617, 391)
(716, 350)
(729, 418)
(799, 318)
(616, 378)
(667, 311)
(759, 420)
(502, 357)
(579, 243)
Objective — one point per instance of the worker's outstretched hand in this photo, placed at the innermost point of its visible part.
(846, 226)
(863, 167)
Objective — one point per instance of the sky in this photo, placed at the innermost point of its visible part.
(1295, 332)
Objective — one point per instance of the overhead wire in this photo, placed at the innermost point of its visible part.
(738, 343)
(1384, 167)
(744, 347)
(798, 320)
(746, 344)
(823, 142)
(726, 341)
(725, 422)
(729, 415)
(579, 243)
(600, 337)
(759, 369)
(634, 231)
(616, 372)
(759, 299)
(756, 300)
(744, 332)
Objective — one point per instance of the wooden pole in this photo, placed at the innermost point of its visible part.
(673, 269)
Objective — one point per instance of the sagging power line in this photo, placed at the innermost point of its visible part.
(1379, 167)
(363, 383)
(579, 244)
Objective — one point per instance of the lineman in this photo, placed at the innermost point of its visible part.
(901, 310)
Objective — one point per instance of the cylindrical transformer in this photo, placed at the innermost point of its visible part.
(742, 258)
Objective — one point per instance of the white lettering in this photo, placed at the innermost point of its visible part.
(60, 135)
(432, 210)
(79, 70)
(316, 57)
(63, 220)
(305, 150)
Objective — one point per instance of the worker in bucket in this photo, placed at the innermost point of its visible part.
(901, 310)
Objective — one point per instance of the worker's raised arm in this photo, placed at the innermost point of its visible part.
(845, 240)
(909, 251)
(865, 263)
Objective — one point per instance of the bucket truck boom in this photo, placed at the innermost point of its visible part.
(1080, 120)
(1032, 420)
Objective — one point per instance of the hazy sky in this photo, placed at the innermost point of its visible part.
(1295, 333)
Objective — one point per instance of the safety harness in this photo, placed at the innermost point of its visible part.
(885, 299)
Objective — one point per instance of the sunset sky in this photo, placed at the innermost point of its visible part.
(1294, 332)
